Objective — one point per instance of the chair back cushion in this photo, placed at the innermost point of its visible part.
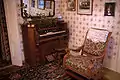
(95, 41)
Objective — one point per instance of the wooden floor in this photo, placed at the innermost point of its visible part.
(4, 63)
(6, 70)
(108, 75)
(111, 75)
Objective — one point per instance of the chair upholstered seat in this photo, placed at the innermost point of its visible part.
(82, 64)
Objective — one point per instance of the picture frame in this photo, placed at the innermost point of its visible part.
(84, 7)
(32, 3)
(41, 4)
(71, 5)
(109, 9)
(48, 4)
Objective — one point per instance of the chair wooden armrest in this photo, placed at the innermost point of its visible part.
(78, 49)
(64, 58)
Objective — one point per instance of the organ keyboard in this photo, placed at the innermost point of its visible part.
(52, 33)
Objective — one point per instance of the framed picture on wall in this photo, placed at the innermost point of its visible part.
(41, 4)
(109, 9)
(48, 4)
(71, 5)
(84, 7)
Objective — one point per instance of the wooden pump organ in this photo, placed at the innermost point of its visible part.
(41, 40)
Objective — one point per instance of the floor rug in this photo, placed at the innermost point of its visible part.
(50, 71)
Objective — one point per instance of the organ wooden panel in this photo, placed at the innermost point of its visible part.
(37, 45)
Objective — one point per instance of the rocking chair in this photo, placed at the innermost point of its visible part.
(87, 60)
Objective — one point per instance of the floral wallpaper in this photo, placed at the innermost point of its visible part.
(79, 24)
(20, 21)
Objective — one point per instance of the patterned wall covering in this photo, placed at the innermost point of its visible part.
(79, 24)
(4, 41)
